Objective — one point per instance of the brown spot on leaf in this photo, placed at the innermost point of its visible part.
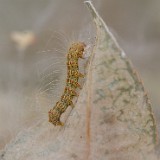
(74, 156)
(109, 118)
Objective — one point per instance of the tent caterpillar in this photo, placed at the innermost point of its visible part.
(75, 52)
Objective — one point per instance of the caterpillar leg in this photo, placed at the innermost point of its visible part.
(81, 75)
(79, 86)
(59, 123)
(72, 105)
(83, 58)
(74, 94)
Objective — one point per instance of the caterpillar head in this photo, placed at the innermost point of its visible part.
(77, 48)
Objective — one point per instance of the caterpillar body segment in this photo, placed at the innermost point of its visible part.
(75, 73)
(61, 107)
(73, 83)
(67, 99)
(70, 91)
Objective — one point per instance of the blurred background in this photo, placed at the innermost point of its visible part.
(34, 37)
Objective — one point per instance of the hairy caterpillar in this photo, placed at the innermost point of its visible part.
(75, 52)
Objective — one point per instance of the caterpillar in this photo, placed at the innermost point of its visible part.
(75, 52)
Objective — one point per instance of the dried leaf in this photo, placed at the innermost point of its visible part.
(112, 119)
